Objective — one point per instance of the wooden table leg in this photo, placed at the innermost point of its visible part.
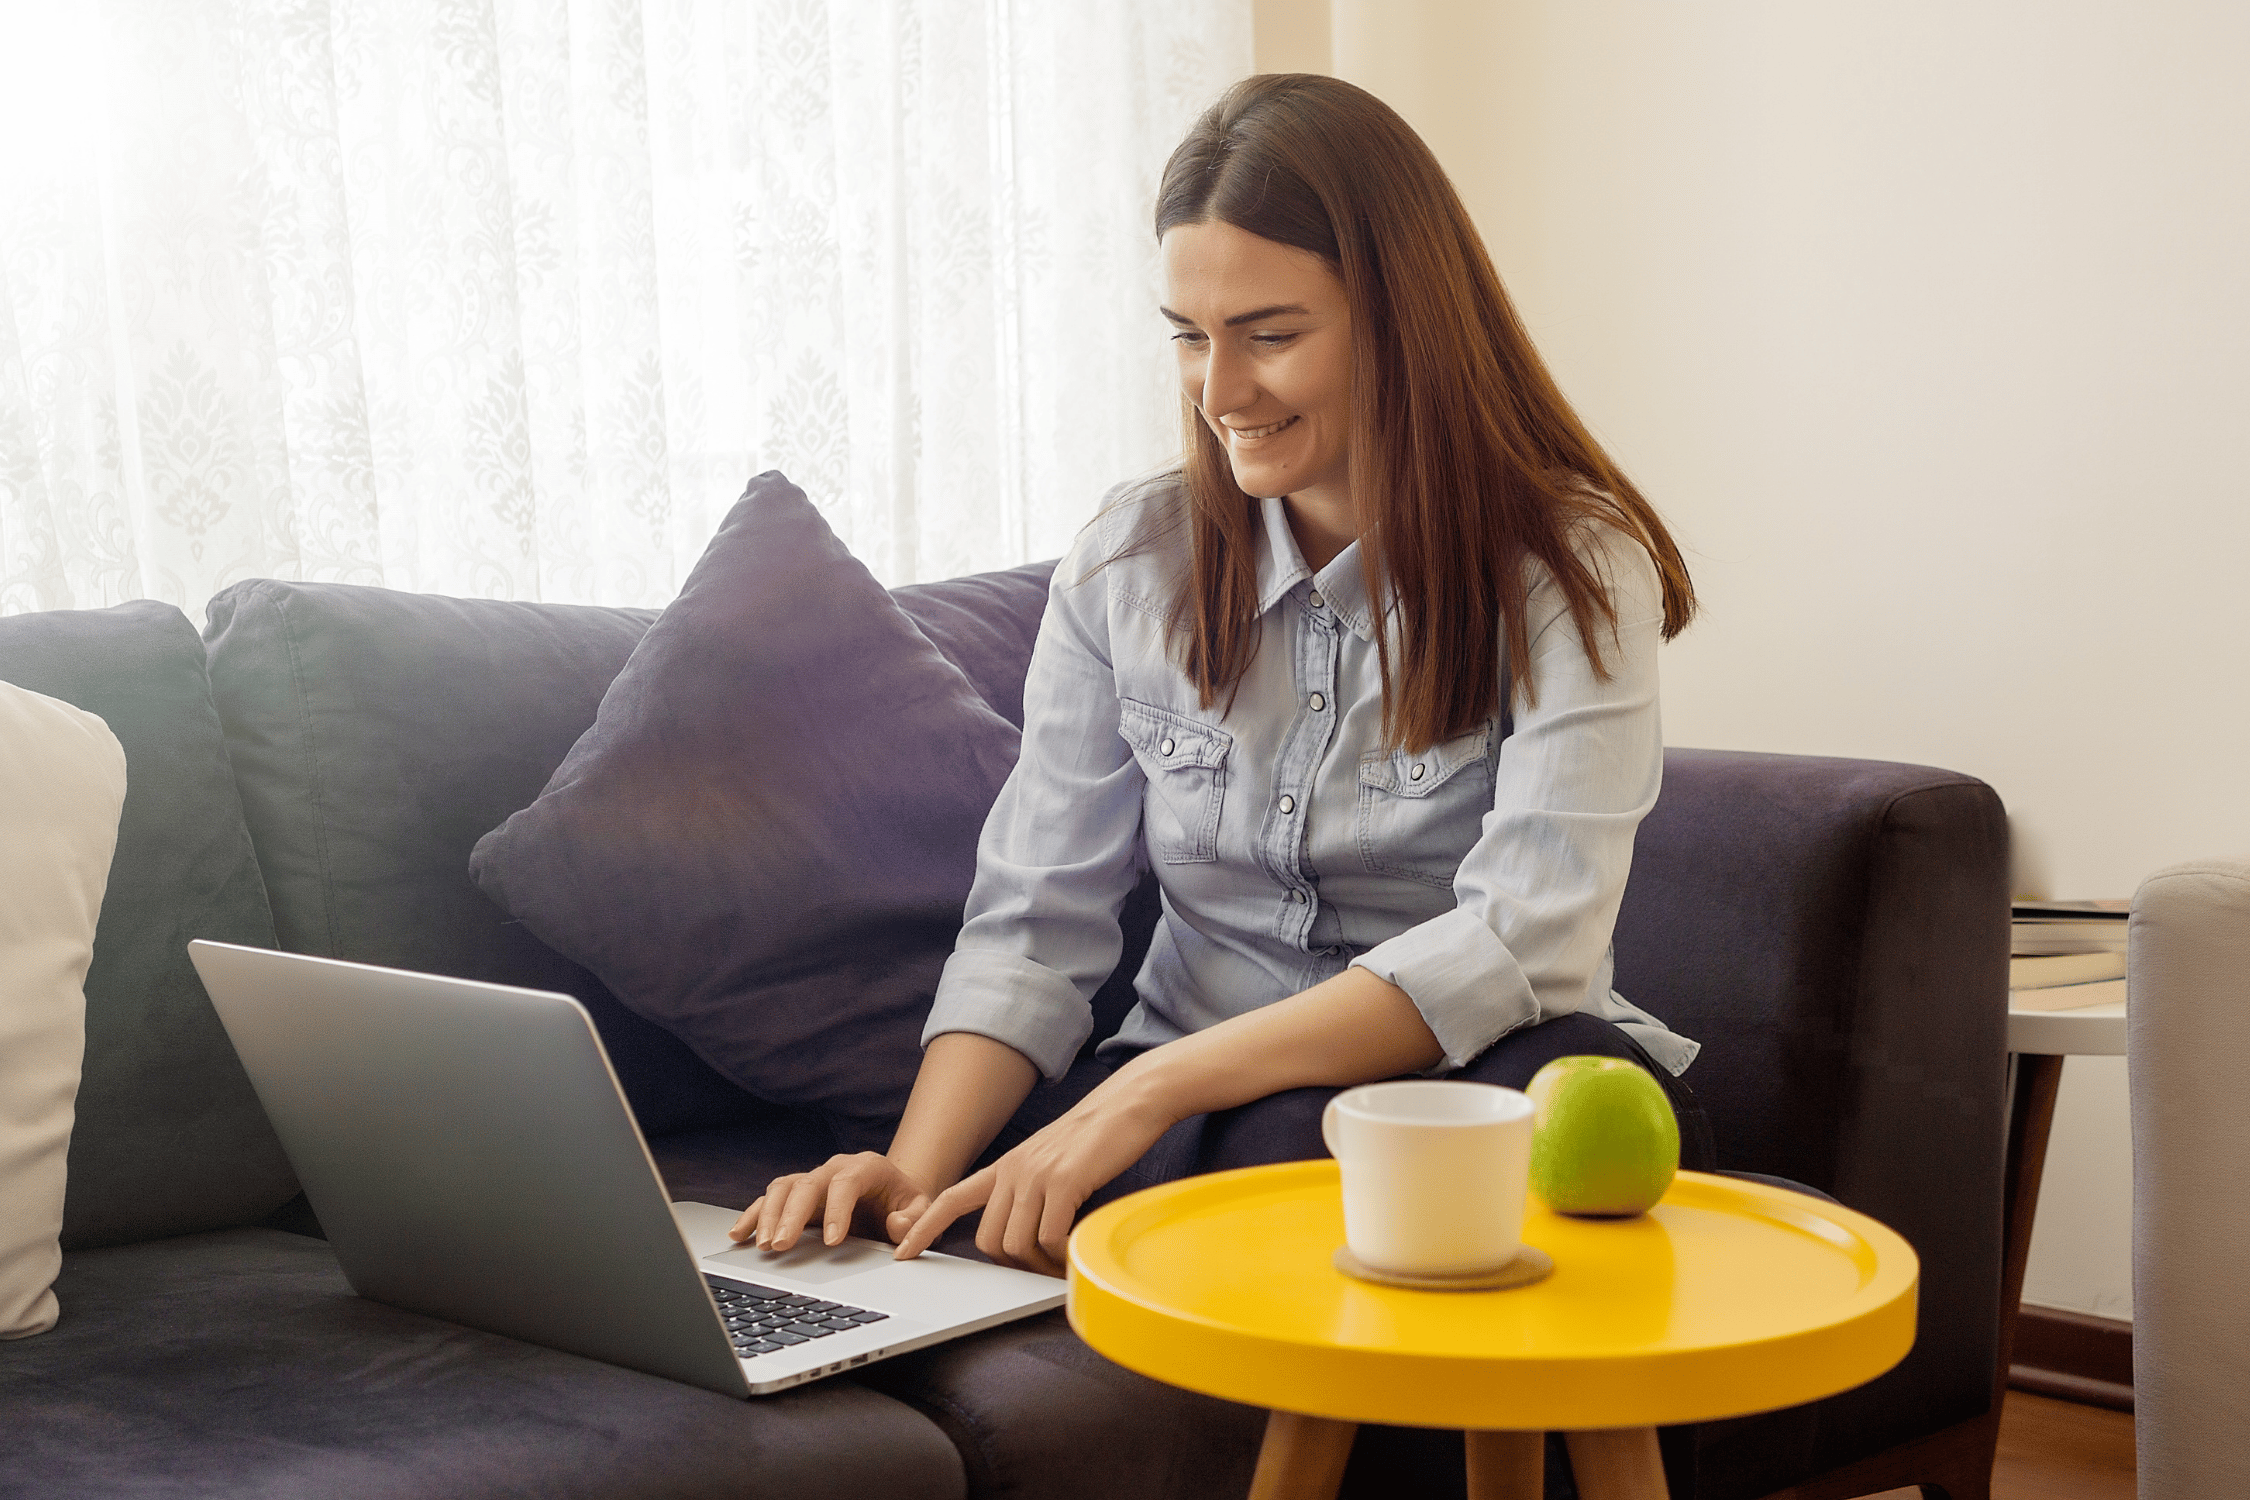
(1617, 1463)
(1506, 1465)
(2031, 1114)
(1302, 1458)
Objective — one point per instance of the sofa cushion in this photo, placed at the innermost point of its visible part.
(985, 624)
(766, 839)
(376, 734)
(169, 1137)
(1036, 1412)
(240, 1363)
(62, 785)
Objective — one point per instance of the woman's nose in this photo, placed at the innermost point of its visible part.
(1227, 385)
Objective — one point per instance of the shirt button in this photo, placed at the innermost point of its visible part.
(1413, 775)
(1166, 749)
(1288, 803)
(1314, 599)
(1298, 897)
(1318, 703)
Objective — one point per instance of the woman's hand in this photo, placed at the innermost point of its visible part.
(1031, 1195)
(1345, 1030)
(869, 1187)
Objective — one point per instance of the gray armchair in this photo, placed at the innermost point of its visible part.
(2187, 1032)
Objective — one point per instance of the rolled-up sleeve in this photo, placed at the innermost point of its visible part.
(1536, 897)
(1059, 851)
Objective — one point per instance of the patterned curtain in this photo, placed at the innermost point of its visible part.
(507, 298)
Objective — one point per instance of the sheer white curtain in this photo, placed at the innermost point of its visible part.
(508, 297)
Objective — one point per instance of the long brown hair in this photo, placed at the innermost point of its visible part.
(1465, 459)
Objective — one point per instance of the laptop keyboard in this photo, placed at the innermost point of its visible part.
(761, 1320)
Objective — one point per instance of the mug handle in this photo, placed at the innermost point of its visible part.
(1328, 1130)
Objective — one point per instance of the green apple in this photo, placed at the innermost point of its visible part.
(1604, 1142)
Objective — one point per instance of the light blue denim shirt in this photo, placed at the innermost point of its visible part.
(1482, 875)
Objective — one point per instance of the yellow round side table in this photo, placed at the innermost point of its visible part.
(1727, 1298)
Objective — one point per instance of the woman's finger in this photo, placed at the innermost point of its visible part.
(1019, 1230)
(997, 1204)
(776, 1198)
(804, 1200)
(1055, 1219)
(899, 1222)
(746, 1227)
(843, 1196)
(969, 1193)
(1022, 1237)
(932, 1222)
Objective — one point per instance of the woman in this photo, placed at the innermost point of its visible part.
(1384, 737)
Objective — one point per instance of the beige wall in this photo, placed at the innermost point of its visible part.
(1928, 326)
(1292, 36)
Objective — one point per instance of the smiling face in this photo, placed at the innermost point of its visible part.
(1265, 348)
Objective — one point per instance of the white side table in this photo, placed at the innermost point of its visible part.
(2088, 1031)
(2038, 1041)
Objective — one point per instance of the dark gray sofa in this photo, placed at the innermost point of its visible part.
(313, 772)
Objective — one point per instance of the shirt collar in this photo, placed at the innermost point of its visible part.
(1281, 567)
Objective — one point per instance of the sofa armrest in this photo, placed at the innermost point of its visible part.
(1835, 934)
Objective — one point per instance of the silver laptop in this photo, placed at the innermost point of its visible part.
(470, 1156)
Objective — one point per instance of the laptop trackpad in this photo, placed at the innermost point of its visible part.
(808, 1260)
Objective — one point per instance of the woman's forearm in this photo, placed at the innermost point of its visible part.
(1351, 1029)
(1346, 1030)
(1354, 1028)
(967, 1088)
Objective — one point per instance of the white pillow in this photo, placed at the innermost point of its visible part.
(62, 785)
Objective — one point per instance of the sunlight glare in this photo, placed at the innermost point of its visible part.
(50, 90)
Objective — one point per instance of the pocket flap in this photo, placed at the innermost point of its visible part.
(1170, 739)
(1417, 773)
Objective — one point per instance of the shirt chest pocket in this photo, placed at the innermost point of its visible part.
(1421, 811)
(1184, 762)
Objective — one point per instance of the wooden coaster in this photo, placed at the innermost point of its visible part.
(1531, 1264)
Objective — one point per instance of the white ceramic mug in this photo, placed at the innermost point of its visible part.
(1434, 1173)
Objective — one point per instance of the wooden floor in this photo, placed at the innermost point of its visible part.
(2059, 1450)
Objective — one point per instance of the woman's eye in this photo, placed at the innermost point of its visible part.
(1188, 337)
(1272, 340)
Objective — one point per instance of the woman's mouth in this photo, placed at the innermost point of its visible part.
(1252, 434)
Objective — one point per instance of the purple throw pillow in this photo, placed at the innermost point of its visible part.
(765, 840)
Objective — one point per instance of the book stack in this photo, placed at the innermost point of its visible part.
(2067, 954)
